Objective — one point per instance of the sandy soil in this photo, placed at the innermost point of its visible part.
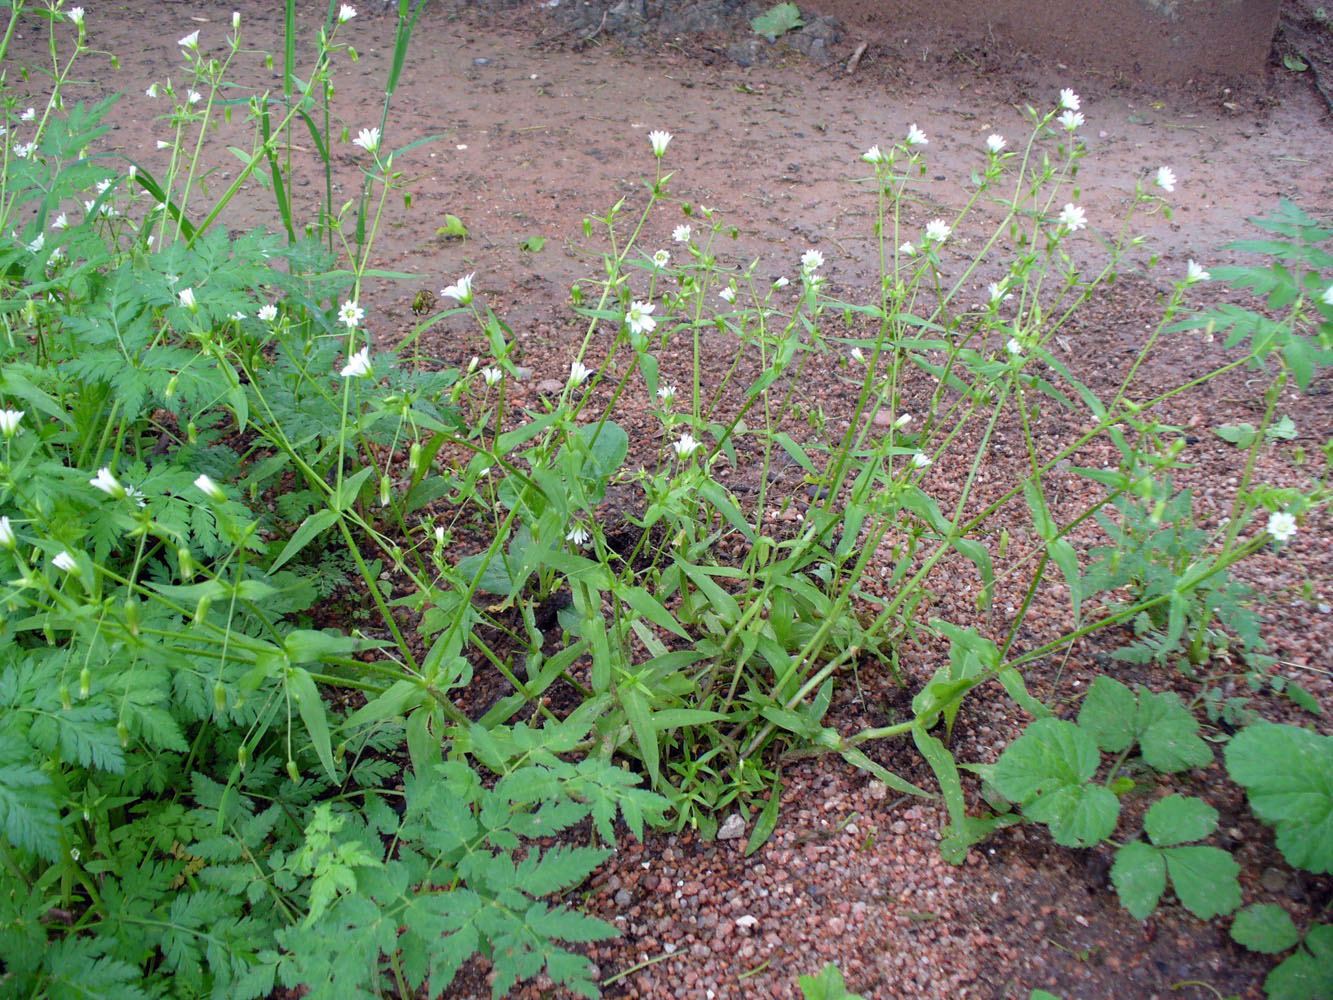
(539, 125)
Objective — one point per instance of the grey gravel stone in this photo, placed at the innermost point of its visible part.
(732, 827)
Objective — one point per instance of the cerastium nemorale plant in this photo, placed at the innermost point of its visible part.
(205, 457)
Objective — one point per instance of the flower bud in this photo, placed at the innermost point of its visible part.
(132, 615)
(242, 756)
(65, 702)
(414, 457)
(123, 731)
(219, 698)
(85, 683)
(293, 772)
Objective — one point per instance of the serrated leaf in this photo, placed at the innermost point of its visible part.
(1308, 973)
(1107, 714)
(1169, 734)
(1178, 819)
(1288, 772)
(1139, 877)
(1205, 879)
(1265, 927)
(777, 20)
(1048, 772)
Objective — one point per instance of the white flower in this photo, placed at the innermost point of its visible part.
(995, 142)
(194, 97)
(639, 318)
(661, 258)
(35, 247)
(65, 562)
(186, 297)
(61, 221)
(1013, 346)
(1073, 218)
(1166, 179)
(1071, 120)
(577, 535)
(1195, 272)
(102, 186)
(915, 137)
(687, 445)
(1281, 525)
(28, 115)
(9, 422)
(107, 483)
(345, 13)
(856, 355)
(727, 294)
(25, 150)
(578, 372)
(358, 365)
(75, 14)
(368, 139)
(660, 140)
(268, 313)
(903, 421)
(920, 460)
(907, 250)
(151, 91)
(492, 375)
(996, 290)
(7, 540)
(1069, 99)
(782, 282)
(163, 144)
(350, 314)
(237, 316)
(811, 260)
(210, 488)
(440, 533)
(190, 42)
(681, 234)
(667, 394)
(1327, 297)
(937, 230)
(873, 155)
(461, 290)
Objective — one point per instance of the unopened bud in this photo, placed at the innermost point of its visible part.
(242, 756)
(219, 698)
(123, 731)
(293, 772)
(85, 683)
(65, 702)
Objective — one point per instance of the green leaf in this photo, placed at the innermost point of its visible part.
(1169, 734)
(1178, 819)
(1308, 973)
(1107, 714)
(1205, 879)
(777, 20)
(768, 818)
(532, 244)
(311, 706)
(310, 528)
(1265, 927)
(453, 226)
(1139, 877)
(1241, 435)
(1288, 772)
(1048, 772)
(828, 985)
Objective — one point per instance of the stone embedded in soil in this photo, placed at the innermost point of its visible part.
(732, 827)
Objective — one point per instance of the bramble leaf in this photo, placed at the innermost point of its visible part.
(1205, 879)
(1288, 772)
(1265, 927)
(1139, 877)
(1048, 771)
(1308, 973)
(1178, 819)
(1107, 714)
